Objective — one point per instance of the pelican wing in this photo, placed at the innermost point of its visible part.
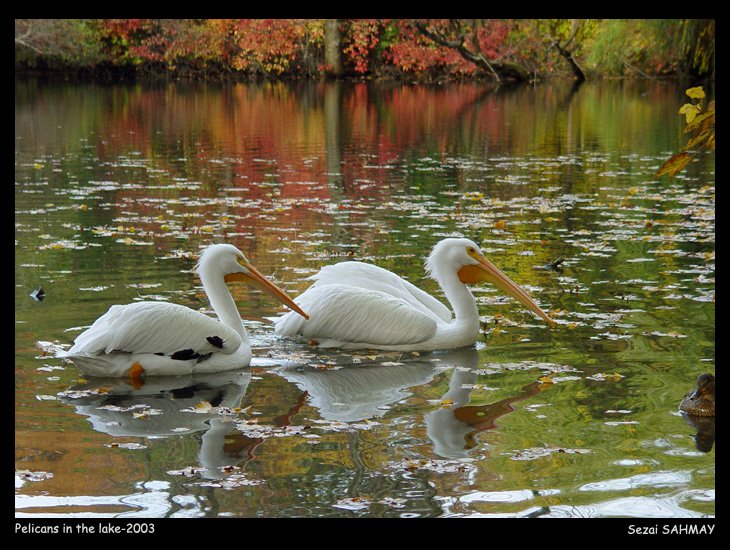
(156, 327)
(341, 313)
(372, 277)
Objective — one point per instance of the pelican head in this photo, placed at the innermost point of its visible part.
(225, 261)
(463, 257)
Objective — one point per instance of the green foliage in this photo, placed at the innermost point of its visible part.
(702, 127)
(618, 43)
(653, 47)
(58, 41)
(697, 46)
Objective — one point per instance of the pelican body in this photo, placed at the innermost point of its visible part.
(354, 305)
(159, 338)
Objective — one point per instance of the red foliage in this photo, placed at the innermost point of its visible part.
(278, 46)
(415, 53)
(361, 38)
(269, 45)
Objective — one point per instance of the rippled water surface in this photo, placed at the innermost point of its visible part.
(117, 187)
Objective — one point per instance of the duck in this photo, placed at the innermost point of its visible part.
(701, 400)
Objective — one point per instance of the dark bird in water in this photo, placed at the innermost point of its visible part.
(38, 294)
(701, 400)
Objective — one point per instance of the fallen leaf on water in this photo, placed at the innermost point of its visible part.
(132, 446)
(28, 475)
(354, 504)
(534, 453)
(38, 294)
(601, 376)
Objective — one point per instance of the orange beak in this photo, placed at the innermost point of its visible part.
(487, 271)
(255, 278)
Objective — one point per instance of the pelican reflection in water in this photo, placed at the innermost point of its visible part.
(354, 393)
(168, 407)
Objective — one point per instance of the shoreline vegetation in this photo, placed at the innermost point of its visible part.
(406, 50)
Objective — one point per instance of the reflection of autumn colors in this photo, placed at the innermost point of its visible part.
(258, 164)
(117, 187)
(483, 417)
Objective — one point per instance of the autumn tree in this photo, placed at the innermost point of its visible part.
(566, 37)
(696, 47)
(419, 49)
(478, 41)
(63, 40)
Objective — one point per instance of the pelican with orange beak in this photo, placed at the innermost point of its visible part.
(159, 338)
(354, 305)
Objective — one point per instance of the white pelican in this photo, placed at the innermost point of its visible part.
(354, 305)
(159, 338)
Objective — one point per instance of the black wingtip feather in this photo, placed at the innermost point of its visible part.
(185, 355)
(216, 341)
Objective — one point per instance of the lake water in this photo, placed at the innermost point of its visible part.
(117, 187)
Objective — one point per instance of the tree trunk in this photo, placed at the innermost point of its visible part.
(497, 69)
(577, 71)
(333, 48)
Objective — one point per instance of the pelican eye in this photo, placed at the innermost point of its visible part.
(471, 250)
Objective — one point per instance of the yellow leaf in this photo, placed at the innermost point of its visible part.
(704, 121)
(696, 93)
(674, 164)
(689, 111)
